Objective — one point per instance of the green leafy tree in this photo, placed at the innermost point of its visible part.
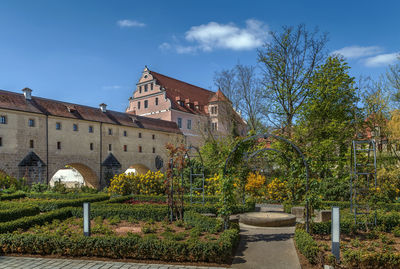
(328, 121)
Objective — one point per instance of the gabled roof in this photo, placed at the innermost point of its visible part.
(111, 161)
(31, 159)
(16, 101)
(219, 96)
(176, 88)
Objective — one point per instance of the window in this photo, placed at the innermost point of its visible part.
(90, 129)
(153, 136)
(58, 145)
(214, 110)
(58, 125)
(140, 89)
(146, 104)
(154, 150)
(3, 120)
(140, 135)
(109, 131)
(145, 88)
(138, 105)
(125, 148)
(75, 127)
(109, 147)
(181, 103)
(31, 144)
(1, 141)
(179, 122)
(31, 123)
(151, 86)
(189, 124)
(125, 133)
(140, 148)
(214, 126)
(91, 146)
(156, 101)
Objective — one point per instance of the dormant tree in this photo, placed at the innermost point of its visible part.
(241, 85)
(288, 61)
(393, 76)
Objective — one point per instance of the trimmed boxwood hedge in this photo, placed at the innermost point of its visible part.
(16, 213)
(203, 223)
(61, 195)
(27, 222)
(5, 197)
(130, 247)
(306, 245)
(368, 259)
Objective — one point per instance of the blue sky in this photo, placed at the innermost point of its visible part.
(89, 52)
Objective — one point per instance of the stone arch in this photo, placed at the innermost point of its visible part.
(139, 168)
(88, 174)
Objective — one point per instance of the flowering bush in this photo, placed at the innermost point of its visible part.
(256, 185)
(277, 190)
(212, 185)
(151, 183)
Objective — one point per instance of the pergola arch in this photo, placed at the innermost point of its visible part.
(279, 138)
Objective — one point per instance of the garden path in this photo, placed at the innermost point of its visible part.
(266, 247)
(8, 262)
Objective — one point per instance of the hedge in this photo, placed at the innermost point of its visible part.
(61, 195)
(45, 206)
(306, 245)
(163, 198)
(130, 247)
(5, 197)
(367, 259)
(203, 223)
(27, 222)
(16, 213)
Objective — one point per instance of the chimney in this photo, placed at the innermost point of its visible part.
(27, 93)
(103, 107)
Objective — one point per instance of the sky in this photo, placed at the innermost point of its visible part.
(89, 52)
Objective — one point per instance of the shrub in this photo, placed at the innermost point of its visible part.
(26, 222)
(256, 186)
(203, 223)
(396, 231)
(16, 213)
(212, 185)
(4, 197)
(306, 245)
(151, 183)
(39, 187)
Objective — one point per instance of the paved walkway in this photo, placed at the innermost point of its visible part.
(266, 247)
(8, 262)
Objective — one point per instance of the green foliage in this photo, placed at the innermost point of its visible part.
(396, 231)
(203, 223)
(11, 184)
(306, 245)
(13, 196)
(26, 222)
(19, 212)
(361, 258)
(129, 247)
(39, 187)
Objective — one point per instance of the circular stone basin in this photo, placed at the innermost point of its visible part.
(268, 219)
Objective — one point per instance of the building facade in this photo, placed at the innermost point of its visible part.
(40, 136)
(197, 112)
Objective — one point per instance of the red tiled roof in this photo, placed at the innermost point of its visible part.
(179, 89)
(16, 101)
(219, 96)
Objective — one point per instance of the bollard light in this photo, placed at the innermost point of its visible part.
(86, 219)
(336, 232)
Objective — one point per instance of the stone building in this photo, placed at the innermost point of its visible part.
(40, 136)
(198, 112)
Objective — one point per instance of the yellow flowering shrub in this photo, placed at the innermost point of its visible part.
(255, 185)
(151, 183)
(212, 185)
(277, 190)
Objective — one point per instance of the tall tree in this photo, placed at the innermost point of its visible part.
(225, 80)
(326, 121)
(289, 60)
(393, 76)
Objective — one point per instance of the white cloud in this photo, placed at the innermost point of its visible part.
(165, 46)
(213, 35)
(382, 59)
(358, 51)
(130, 23)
